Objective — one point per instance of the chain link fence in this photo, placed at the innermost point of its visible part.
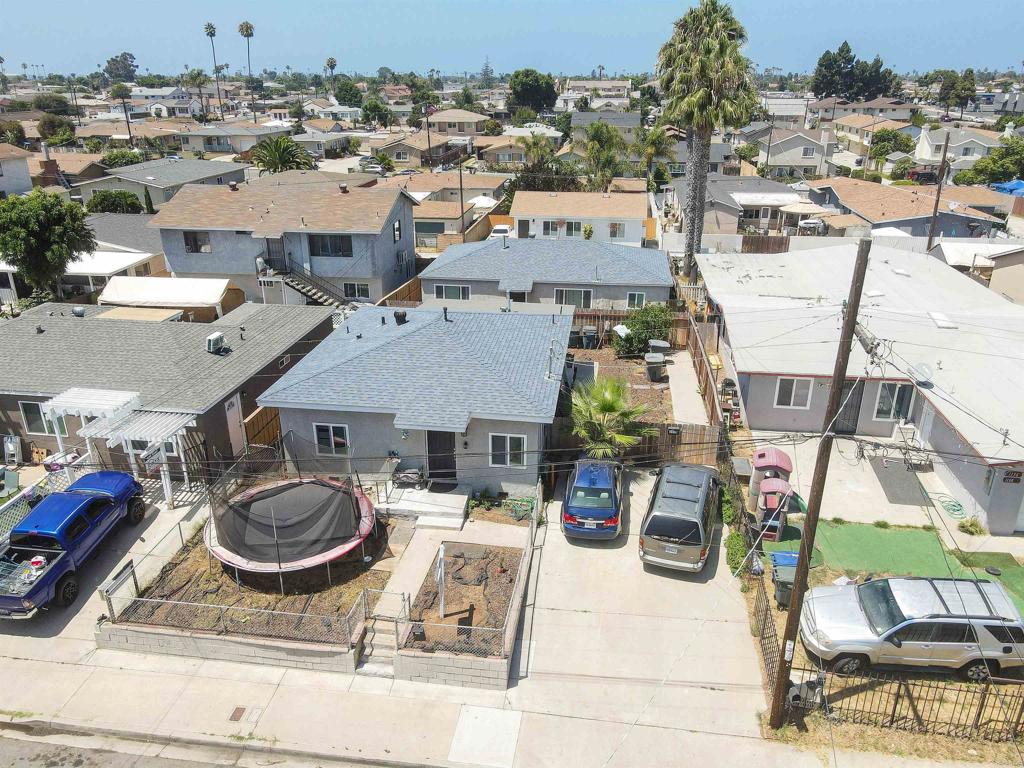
(15, 509)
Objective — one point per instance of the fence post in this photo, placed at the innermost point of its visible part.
(896, 703)
(1016, 723)
(110, 607)
(983, 699)
(180, 534)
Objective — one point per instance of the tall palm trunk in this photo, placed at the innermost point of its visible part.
(252, 93)
(216, 78)
(702, 156)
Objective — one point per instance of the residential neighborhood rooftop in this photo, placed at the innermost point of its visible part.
(600, 205)
(435, 371)
(617, 119)
(878, 203)
(168, 172)
(126, 230)
(456, 116)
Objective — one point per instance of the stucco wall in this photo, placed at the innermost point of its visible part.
(16, 178)
(604, 296)
(1008, 277)
(633, 231)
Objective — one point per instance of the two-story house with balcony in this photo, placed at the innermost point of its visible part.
(321, 242)
(966, 147)
(457, 122)
(602, 94)
(230, 137)
(801, 153)
(609, 217)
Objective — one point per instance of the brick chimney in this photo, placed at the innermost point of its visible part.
(49, 173)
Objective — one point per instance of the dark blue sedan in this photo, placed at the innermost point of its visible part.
(593, 498)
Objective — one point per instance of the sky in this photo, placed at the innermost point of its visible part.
(453, 36)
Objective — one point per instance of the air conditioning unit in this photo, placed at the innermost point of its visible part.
(215, 343)
(188, 249)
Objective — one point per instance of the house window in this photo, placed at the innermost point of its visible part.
(635, 300)
(331, 439)
(220, 179)
(573, 228)
(508, 450)
(356, 290)
(966, 152)
(452, 126)
(807, 152)
(140, 446)
(396, 230)
(792, 393)
(894, 401)
(577, 297)
(197, 242)
(283, 361)
(330, 245)
(452, 292)
(550, 229)
(766, 213)
(517, 296)
(37, 424)
(142, 270)
(616, 230)
(401, 155)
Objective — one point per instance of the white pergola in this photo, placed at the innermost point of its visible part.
(116, 416)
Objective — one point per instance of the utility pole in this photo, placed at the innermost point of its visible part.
(835, 397)
(938, 194)
(430, 159)
(462, 206)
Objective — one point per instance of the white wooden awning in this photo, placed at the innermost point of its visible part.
(90, 403)
(150, 426)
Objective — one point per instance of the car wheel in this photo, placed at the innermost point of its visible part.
(136, 510)
(978, 671)
(67, 591)
(849, 665)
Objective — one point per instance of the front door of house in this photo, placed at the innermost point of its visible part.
(275, 251)
(523, 230)
(236, 429)
(846, 422)
(441, 455)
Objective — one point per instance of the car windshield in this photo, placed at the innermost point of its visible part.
(674, 529)
(591, 498)
(879, 605)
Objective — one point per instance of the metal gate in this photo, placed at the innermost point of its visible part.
(846, 421)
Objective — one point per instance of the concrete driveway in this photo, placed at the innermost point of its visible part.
(616, 642)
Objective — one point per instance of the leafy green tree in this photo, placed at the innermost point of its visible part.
(492, 128)
(41, 234)
(536, 148)
(280, 153)
(964, 91)
(1005, 120)
(295, 110)
(118, 158)
(354, 143)
(415, 119)
(604, 149)
(487, 74)
(563, 122)
(464, 99)
(604, 420)
(52, 127)
(148, 200)
(918, 120)
(53, 103)
(529, 88)
(840, 73)
(555, 175)
(1004, 163)
(12, 132)
(651, 321)
(885, 141)
(747, 152)
(347, 94)
(901, 168)
(121, 68)
(948, 88)
(650, 146)
(583, 104)
(524, 115)
(114, 201)
(93, 145)
(707, 84)
(374, 111)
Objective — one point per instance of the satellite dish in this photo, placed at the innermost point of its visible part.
(922, 375)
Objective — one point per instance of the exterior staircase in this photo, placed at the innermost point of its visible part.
(380, 646)
(311, 291)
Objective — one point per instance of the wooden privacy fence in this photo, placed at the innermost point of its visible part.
(406, 295)
(765, 244)
(706, 377)
(262, 426)
(606, 319)
(688, 443)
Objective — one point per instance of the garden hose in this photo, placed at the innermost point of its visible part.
(953, 508)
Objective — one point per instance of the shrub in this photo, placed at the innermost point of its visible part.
(651, 321)
(881, 524)
(728, 506)
(588, 231)
(905, 183)
(838, 521)
(857, 174)
(113, 201)
(385, 161)
(972, 527)
(735, 551)
(118, 158)
(873, 176)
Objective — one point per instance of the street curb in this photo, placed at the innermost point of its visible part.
(48, 727)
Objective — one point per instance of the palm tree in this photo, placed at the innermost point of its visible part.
(332, 64)
(707, 84)
(652, 145)
(280, 153)
(603, 149)
(247, 30)
(604, 420)
(211, 32)
(198, 79)
(600, 71)
(122, 92)
(536, 147)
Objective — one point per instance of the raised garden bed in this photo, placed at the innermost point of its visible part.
(500, 509)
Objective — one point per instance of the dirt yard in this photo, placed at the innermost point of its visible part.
(193, 579)
(504, 511)
(655, 397)
(479, 583)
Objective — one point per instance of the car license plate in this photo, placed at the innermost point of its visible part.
(590, 524)
(671, 550)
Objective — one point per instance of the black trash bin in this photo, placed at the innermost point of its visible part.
(656, 345)
(589, 337)
(655, 365)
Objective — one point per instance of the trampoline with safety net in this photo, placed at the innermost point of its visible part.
(290, 525)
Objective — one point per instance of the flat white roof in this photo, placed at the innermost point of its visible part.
(973, 254)
(783, 314)
(99, 263)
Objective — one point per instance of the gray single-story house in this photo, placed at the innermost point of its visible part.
(163, 178)
(582, 273)
(942, 386)
(466, 396)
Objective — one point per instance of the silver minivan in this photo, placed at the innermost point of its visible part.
(968, 625)
(677, 529)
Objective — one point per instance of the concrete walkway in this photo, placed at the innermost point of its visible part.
(687, 404)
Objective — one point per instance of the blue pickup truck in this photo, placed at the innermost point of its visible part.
(40, 564)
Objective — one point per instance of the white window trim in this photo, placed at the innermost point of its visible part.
(582, 290)
(794, 379)
(333, 454)
(641, 294)
(442, 286)
(552, 226)
(284, 360)
(139, 451)
(401, 155)
(355, 294)
(878, 399)
(507, 452)
(24, 421)
(807, 152)
(574, 229)
(766, 213)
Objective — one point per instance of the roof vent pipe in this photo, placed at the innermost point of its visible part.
(78, 311)
(400, 317)
(504, 242)
(233, 186)
(445, 310)
(343, 188)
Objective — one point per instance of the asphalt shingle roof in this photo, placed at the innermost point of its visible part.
(576, 262)
(166, 172)
(430, 372)
(167, 363)
(127, 230)
(617, 119)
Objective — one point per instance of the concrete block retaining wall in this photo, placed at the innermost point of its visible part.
(452, 669)
(278, 653)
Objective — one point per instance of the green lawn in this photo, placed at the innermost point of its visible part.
(858, 549)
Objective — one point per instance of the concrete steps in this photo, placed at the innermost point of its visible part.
(380, 646)
(310, 292)
(447, 522)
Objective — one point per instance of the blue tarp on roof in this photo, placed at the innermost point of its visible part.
(1015, 188)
